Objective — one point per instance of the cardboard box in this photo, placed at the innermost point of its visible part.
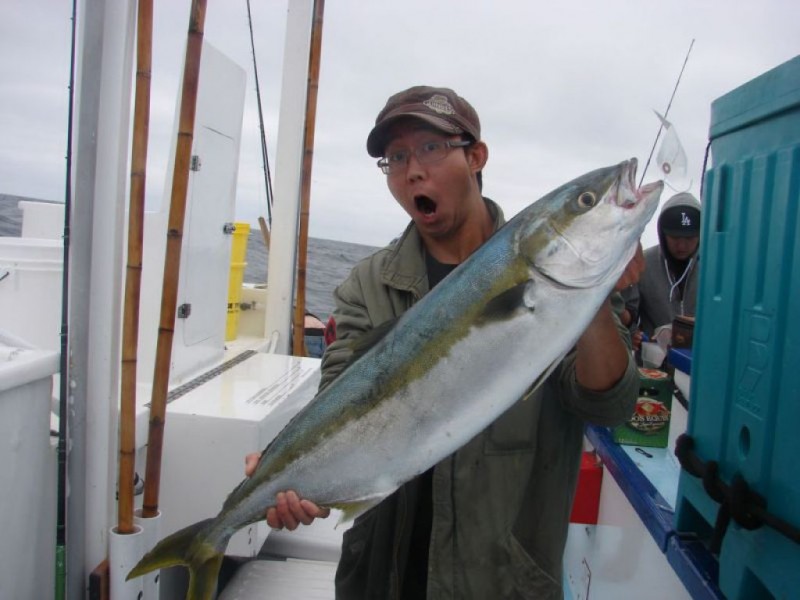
(649, 423)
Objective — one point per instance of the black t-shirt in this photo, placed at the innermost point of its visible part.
(436, 270)
(415, 578)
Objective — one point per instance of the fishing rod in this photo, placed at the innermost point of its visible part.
(264, 154)
(666, 113)
(305, 188)
(172, 258)
(133, 279)
(63, 387)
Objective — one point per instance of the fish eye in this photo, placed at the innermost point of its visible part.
(587, 200)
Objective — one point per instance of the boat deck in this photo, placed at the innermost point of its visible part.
(635, 544)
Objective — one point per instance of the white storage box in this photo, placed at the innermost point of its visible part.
(211, 429)
(30, 290)
(27, 473)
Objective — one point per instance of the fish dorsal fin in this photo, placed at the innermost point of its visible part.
(505, 304)
(231, 496)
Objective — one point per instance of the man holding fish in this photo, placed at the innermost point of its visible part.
(450, 415)
(490, 519)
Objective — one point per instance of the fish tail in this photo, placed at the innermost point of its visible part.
(203, 578)
(191, 548)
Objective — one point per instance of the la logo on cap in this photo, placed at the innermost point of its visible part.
(685, 220)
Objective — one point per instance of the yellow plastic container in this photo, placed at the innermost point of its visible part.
(239, 244)
(238, 255)
(232, 325)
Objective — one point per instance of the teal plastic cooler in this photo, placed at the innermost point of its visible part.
(745, 398)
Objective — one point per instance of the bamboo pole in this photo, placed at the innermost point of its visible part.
(133, 279)
(298, 338)
(172, 258)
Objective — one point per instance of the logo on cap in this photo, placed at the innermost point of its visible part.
(685, 220)
(440, 104)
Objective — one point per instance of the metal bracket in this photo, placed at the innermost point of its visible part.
(195, 164)
(184, 310)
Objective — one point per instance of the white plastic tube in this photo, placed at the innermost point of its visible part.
(124, 552)
(151, 534)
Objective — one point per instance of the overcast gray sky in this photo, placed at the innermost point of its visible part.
(561, 88)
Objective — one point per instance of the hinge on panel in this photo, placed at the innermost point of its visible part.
(195, 164)
(184, 310)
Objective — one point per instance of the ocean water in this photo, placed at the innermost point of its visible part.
(329, 261)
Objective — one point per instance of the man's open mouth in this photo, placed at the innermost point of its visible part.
(425, 205)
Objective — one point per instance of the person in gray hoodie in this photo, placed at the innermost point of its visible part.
(668, 286)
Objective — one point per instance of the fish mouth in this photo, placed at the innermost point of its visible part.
(624, 193)
(425, 205)
(645, 192)
(630, 194)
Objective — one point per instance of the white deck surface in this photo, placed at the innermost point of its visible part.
(322, 540)
(276, 580)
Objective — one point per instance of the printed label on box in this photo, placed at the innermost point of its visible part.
(649, 423)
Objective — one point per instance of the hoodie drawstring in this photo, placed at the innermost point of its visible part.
(675, 284)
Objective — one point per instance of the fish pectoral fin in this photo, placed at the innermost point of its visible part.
(351, 510)
(506, 303)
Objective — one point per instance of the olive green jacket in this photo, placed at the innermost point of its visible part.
(502, 502)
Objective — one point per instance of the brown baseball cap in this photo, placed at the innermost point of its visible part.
(437, 106)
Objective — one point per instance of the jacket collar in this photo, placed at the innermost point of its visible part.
(405, 267)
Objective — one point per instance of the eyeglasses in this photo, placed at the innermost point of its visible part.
(427, 153)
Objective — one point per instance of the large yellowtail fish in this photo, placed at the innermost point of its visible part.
(451, 365)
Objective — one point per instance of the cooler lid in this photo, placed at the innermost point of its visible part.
(773, 92)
